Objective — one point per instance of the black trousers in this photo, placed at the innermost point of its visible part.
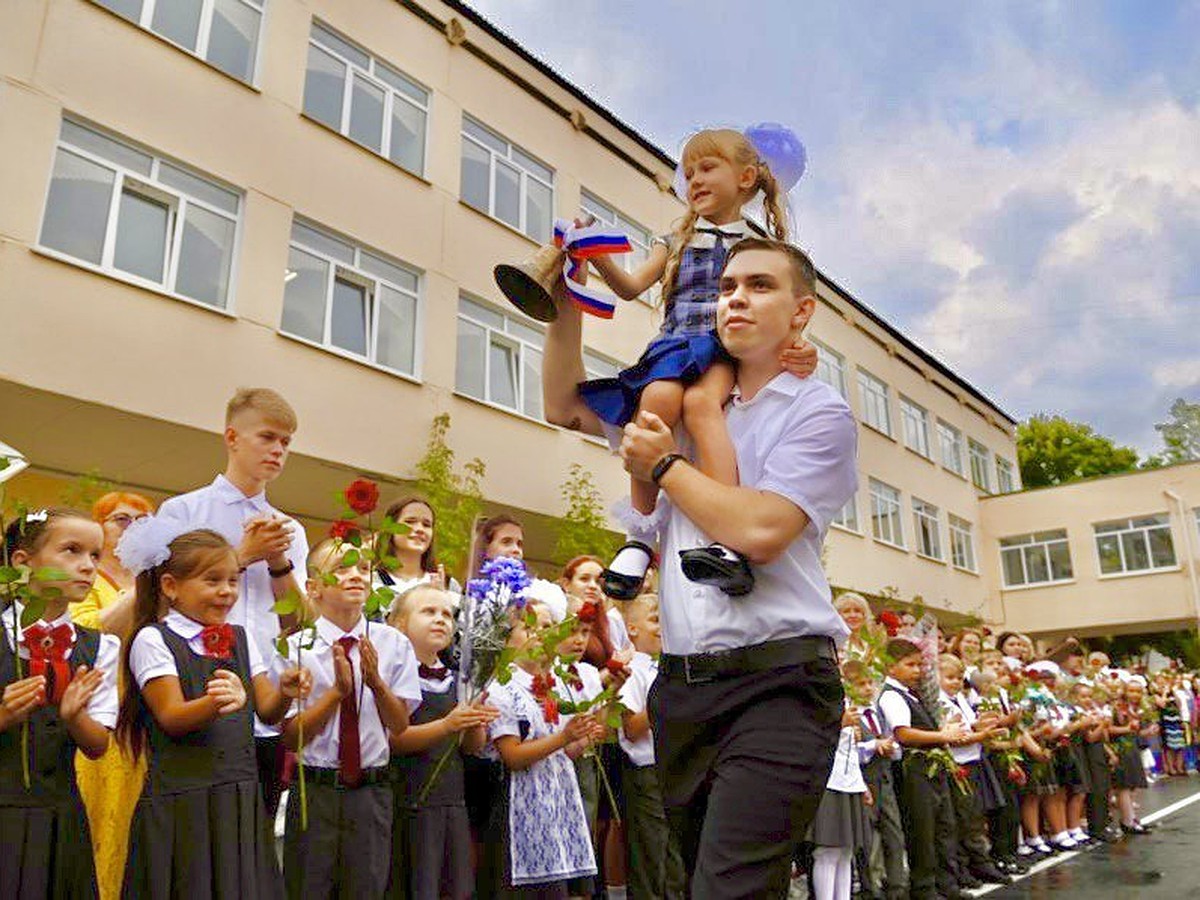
(346, 853)
(269, 752)
(743, 761)
(1004, 822)
(925, 807)
(1097, 798)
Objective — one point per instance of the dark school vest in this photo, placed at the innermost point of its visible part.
(222, 753)
(411, 771)
(51, 749)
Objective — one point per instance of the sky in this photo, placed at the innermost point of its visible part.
(1015, 186)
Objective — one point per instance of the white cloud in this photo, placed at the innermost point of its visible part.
(1180, 374)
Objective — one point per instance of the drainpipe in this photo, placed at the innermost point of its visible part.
(1187, 545)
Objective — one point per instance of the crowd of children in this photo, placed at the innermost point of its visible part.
(971, 757)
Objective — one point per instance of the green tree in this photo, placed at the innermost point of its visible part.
(457, 497)
(1053, 450)
(1181, 433)
(582, 528)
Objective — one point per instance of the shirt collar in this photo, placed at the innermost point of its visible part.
(704, 239)
(898, 686)
(183, 626)
(231, 494)
(785, 383)
(17, 608)
(521, 677)
(331, 633)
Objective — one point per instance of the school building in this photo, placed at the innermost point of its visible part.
(311, 195)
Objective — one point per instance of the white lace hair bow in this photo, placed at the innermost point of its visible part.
(146, 543)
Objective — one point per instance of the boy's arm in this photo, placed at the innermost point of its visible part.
(635, 725)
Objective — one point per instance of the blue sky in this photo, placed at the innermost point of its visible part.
(1015, 186)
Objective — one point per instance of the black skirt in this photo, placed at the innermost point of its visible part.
(987, 784)
(842, 821)
(46, 851)
(1130, 774)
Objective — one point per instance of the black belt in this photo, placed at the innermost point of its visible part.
(699, 668)
(333, 777)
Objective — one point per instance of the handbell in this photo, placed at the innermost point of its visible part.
(529, 286)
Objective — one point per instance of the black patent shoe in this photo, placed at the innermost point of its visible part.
(720, 567)
(624, 576)
(1135, 828)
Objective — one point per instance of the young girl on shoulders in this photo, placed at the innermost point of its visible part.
(66, 696)
(685, 374)
(200, 827)
(431, 857)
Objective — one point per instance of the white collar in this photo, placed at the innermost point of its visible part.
(521, 677)
(331, 633)
(784, 383)
(183, 626)
(231, 493)
(15, 610)
(900, 687)
(738, 226)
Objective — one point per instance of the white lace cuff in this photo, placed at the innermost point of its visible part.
(641, 526)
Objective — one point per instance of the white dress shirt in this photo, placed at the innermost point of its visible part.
(149, 657)
(958, 707)
(895, 710)
(706, 240)
(617, 632)
(103, 705)
(223, 508)
(845, 776)
(796, 438)
(643, 669)
(398, 667)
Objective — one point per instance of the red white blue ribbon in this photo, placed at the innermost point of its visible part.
(584, 244)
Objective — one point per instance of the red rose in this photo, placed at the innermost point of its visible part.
(541, 686)
(615, 666)
(588, 611)
(362, 496)
(550, 711)
(342, 529)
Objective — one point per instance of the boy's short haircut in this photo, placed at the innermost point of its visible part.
(325, 556)
(898, 648)
(804, 274)
(853, 669)
(643, 603)
(949, 659)
(266, 402)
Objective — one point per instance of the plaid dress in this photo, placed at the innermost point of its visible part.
(686, 345)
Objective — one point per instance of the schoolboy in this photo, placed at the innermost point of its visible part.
(271, 547)
(924, 795)
(365, 686)
(655, 868)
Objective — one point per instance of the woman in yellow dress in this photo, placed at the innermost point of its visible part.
(110, 786)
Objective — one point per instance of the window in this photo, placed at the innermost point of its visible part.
(365, 99)
(962, 544)
(928, 529)
(506, 182)
(597, 366)
(499, 359)
(639, 237)
(1040, 558)
(1005, 481)
(222, 32)
(885, 514)
(129, 213)
(1135, 545)
(831, 368)
(875, 410)
(350, 299)
(847, 516)
(950, 441)
(916, 427)
(980, 465)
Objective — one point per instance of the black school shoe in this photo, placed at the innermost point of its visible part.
(624, 576)
(720, 567)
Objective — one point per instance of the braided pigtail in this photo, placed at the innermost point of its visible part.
(773, 207)
(680, 239)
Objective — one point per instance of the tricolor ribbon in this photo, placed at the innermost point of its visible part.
(582, 245)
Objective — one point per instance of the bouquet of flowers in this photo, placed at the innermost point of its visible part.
(939, 758)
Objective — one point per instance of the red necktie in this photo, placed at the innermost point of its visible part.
(48, 649)
(217, 641)
(349, 750)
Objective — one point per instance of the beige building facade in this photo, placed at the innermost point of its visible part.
(311, 195)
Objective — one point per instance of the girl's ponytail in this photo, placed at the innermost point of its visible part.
(773, 209)
(683, 235)
(147, 606)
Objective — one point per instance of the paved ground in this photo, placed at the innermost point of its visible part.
(1161, 865)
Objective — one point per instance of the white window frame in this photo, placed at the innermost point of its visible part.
(1024, 544)
(831, 368)
(849, 522)
(927, 516)
(510, 160)
(962, 544)
(391, 95)
(915, 424)
(1128, 527)
(505, 335)
(1006, 481)
(203, 32)
(355, 272)
(148, 184)
(895, 508)
(979, 453)
(872, 392)
(947, 431)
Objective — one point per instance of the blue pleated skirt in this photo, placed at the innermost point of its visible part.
(669, 358)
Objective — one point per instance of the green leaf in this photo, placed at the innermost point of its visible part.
(10, 574)
(50, 574)
(389, 562)
(350, 558)
(34, 607)
(354, 539)
(613, 719)
(567, 708)
(281, 645)
(329, 579)
(287, 605)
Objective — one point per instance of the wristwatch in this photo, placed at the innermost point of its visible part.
(661, 467)
(279, 573)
